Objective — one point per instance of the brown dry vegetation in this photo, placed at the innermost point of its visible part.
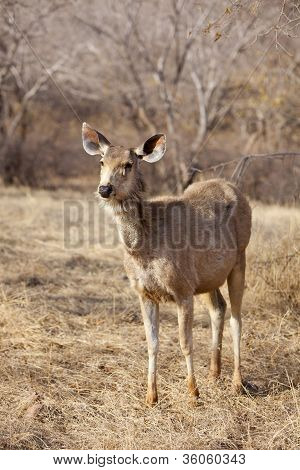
(73, 350)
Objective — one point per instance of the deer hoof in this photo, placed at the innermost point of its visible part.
(151, 398)
(237, 387)
(213, 375)
(193, 389)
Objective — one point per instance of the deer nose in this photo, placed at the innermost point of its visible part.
(105, 191)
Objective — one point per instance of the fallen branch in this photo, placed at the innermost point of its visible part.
(241, 165)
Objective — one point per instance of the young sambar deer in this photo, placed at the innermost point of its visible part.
(177, 247)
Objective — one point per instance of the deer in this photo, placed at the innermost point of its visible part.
(177, 247)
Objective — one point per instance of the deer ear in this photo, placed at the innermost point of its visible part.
(153, 149)
(93, 142)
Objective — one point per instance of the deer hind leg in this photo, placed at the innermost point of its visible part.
(150, 311)
(185, 323)
(217, 308)
(236, 281)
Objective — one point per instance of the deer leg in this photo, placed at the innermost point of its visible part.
(185, 322)
(150, 311)
(217, 307)
(235, 281)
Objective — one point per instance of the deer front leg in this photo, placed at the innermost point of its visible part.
(185, 322)
(150, 311)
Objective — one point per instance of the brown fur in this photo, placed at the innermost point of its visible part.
(216, 215)
(164, 274)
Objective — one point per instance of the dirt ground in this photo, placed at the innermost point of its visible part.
(73, 353)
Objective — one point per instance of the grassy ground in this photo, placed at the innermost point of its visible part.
(73, 352)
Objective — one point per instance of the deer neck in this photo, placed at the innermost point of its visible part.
(131, 225)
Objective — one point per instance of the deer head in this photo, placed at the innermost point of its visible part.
(120, 176)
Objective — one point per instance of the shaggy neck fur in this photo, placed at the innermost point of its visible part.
(129, 215)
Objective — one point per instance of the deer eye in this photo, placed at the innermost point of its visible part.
(101, 163)
(128, 166)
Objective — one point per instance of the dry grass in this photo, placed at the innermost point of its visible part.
(73, 351)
